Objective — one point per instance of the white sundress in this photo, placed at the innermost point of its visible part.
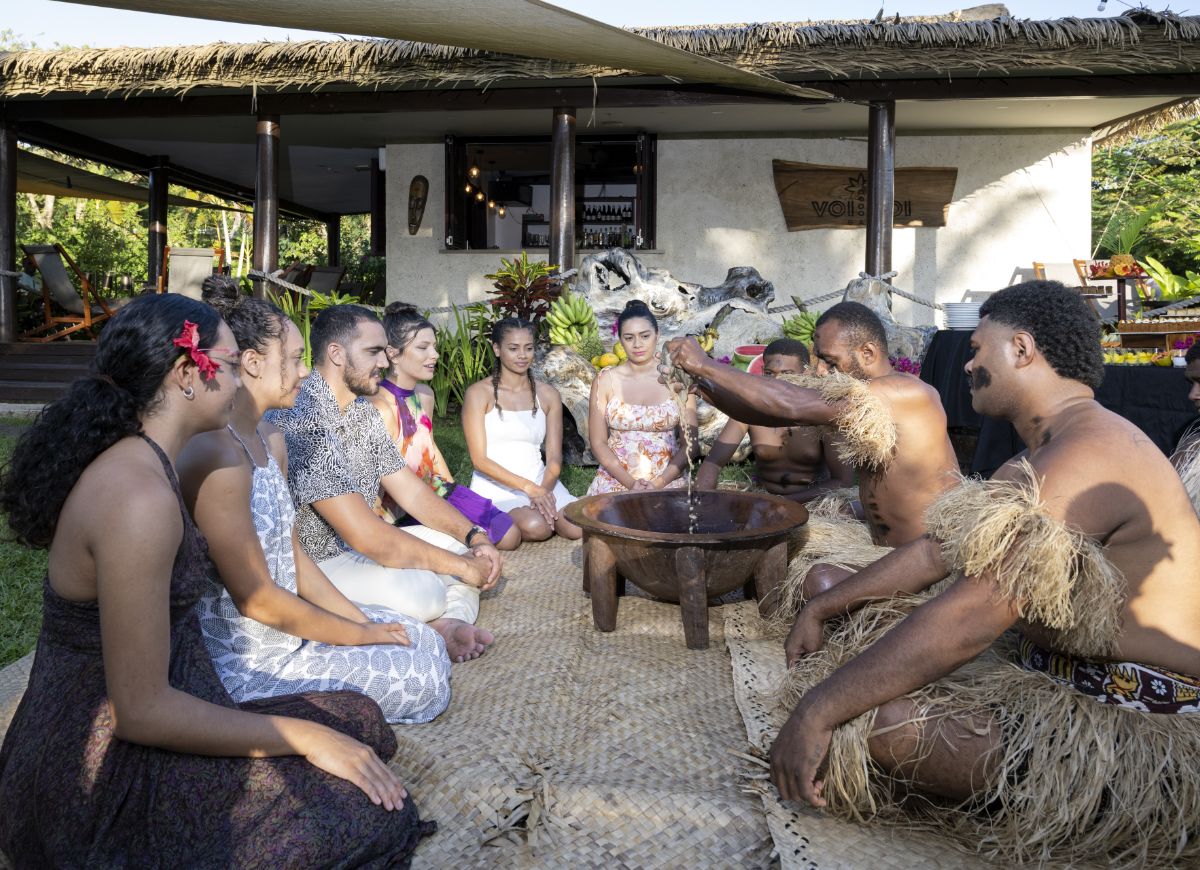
(410, 683)
(514, 441)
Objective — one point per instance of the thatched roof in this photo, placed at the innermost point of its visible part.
(1139, 41)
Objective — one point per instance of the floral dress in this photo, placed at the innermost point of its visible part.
(643, 439)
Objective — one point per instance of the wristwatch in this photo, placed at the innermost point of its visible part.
(472, 532)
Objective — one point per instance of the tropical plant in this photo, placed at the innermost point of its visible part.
(1172, 287)
(524, 288)
(1124, 233)
(465, 354)
(302, 309)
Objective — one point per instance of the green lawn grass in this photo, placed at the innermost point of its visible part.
(21, 573)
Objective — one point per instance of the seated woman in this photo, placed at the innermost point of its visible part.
(633, 419)
(272, 621)
(508, 419)
(405, 404)
(126, 748)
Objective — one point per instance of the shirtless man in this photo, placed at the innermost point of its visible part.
(1036, 364)
(787, 459)
(848, 338)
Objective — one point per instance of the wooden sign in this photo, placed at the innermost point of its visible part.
(814, 196)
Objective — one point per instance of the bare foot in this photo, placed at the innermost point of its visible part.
(463, 640)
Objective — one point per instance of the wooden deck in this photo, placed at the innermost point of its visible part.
(32, 373)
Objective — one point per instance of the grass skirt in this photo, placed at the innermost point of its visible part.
(1078, 780)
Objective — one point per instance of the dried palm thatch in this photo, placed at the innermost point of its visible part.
(1077, 782)
(829, 537)
(865, 425)
(1142, 124)
(1137, 42)
(1058, 576)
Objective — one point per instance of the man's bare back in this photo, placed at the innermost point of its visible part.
(1118, 488)
(895, 498)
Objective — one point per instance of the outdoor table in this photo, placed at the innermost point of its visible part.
(1154, 398)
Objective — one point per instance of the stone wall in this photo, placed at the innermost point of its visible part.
(1021, 196)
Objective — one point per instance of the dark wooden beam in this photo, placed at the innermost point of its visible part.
(156, 218)
(608, 96)
(266, 198)
(333, 241)
(881, 186)
(562, 188)
(89, 148)
(8, 230)
(378, 209)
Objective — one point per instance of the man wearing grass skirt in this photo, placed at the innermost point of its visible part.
(1022, 679)
(890, 426)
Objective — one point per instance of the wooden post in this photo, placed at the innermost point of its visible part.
(881, 186)
(156, 219)
(8, 230)
(266, 199)
(333, 240)
(562, 188)
(378, 210)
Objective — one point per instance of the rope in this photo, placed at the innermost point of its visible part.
(273, 278)
(819, 299)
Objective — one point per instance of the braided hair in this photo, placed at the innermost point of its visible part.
(500, 329)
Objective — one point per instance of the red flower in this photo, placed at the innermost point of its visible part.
(189, 340)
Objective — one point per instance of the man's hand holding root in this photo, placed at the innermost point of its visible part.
(687, 354)
(798, 757)
(806, 637)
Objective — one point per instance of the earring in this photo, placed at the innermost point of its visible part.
(189, 393)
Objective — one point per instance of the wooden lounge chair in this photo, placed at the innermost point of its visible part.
(325, 279)
(186, 269)
(1079, 282)
(84, 308)
(297, 274)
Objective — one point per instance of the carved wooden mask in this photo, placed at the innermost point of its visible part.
(418, 192)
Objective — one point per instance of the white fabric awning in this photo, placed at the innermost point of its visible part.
(529, 28)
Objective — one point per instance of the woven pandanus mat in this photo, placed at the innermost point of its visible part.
(807, 838)
(566, 747)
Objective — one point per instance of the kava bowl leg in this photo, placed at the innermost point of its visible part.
(693, 596)
(600, 566)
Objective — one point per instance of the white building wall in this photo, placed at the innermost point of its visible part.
(1020, 197)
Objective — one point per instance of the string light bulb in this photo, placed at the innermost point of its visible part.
(468, 188)
(491, 203)
(502, 211)
(479, 197)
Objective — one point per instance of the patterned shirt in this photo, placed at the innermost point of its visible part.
(331, 453)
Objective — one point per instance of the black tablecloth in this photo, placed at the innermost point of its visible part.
(1152, 397)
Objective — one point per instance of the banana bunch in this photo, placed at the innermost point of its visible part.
(570, 319)
(708, 340)
(800, 326)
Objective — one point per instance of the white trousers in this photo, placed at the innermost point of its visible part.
(414, 592)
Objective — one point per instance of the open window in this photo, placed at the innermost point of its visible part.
(498, 192)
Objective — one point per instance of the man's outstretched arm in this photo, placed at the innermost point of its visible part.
(930, 643)
(749, 398)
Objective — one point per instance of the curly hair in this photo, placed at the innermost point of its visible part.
(1065, 329)
(402, 321)
(134, 356)
(255, 322)
(862, 325)
(337, 324)
(500, 329)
